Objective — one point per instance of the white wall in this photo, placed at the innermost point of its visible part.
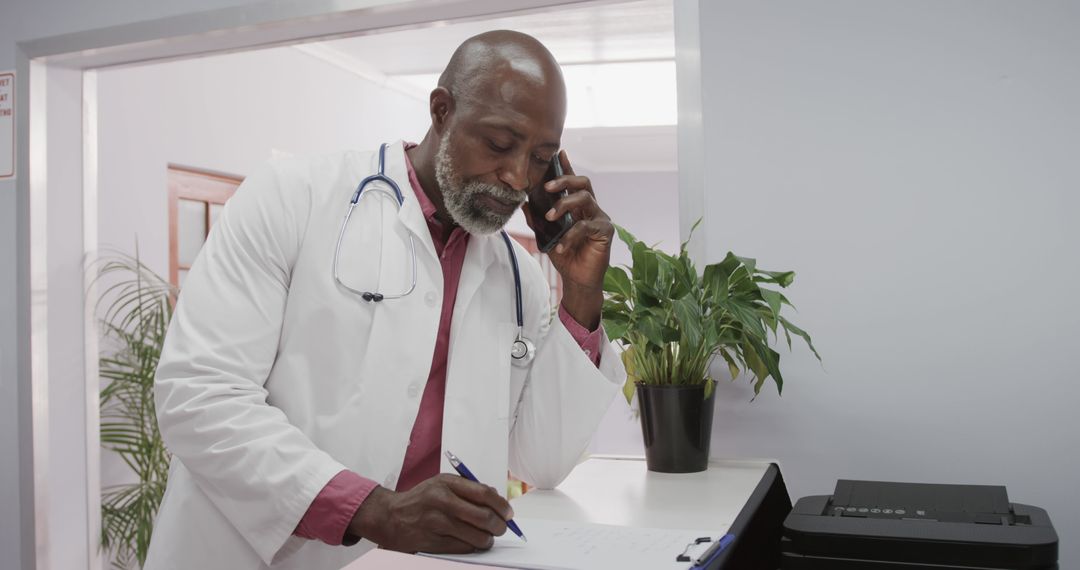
(916, 163)
(22, 20)
(226, 113)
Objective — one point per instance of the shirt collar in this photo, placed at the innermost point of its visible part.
(426, 205)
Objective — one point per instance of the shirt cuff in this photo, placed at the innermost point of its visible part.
(589, 341)
(328, 517)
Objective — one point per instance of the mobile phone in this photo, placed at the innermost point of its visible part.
(540, 201)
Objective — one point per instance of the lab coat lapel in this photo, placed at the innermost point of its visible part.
(399, 327)
(411, 216)
(478, 367)
(478, 257)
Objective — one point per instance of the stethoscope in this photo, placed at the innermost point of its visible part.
(521, 351)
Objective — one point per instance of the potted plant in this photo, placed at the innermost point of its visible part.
(673, 322)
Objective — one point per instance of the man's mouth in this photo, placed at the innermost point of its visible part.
(499, 206)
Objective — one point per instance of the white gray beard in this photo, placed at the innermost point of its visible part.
(460, 197)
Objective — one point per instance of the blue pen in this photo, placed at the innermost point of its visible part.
(464, 472)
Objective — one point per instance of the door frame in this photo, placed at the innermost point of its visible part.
(50, 264)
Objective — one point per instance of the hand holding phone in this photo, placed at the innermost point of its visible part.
(580, 246)
(540, 201)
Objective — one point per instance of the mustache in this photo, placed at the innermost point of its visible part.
(494, 190)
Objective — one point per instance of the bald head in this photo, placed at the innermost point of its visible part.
(496, 123)
(497, 64)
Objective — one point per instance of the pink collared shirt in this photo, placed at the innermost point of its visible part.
(329, 515)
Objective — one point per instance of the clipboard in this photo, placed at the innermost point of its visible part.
(565, 545)
(702, 561)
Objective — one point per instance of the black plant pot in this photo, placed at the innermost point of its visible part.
(676, 423)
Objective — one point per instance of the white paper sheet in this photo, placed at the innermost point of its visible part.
(560, 545)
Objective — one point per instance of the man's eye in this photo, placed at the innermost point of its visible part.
(496, 147)
(541, 159)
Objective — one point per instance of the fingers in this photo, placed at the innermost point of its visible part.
(564, 161)
(580, 205)
(449, 528)
(480, 494)
(598, 231)
(570, 183)
(483, 519)
(452, 545)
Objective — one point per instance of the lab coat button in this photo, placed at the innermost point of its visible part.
(431, 298)
(414, 390)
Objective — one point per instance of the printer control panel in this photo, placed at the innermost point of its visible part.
(914, 513)
(917, 501)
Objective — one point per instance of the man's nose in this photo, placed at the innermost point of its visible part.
(515, 173)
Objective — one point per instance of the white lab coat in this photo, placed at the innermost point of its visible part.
(273, 378)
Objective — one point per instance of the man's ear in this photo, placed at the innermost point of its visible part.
(441, 106)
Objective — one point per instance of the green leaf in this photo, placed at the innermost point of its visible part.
(689, 315)
(788, 325)
(612, 306)
(730, 263)
(683, 245)
(781, 278)
(749, 263)
(774, 300)
(756, 365)
(772, 361)
(618, 282)
(715, 281)
(745, 314)
(647, 296)
(733, 368)
(651, 328)
(629, 388)
(626, 236)
(616, 324)
(710, 385)
(646, 268)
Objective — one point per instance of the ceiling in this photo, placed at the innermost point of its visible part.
(618, 61)
(593, 33)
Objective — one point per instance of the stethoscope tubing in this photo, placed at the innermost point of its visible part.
(522, 350)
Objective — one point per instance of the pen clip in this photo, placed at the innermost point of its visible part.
(454, 461)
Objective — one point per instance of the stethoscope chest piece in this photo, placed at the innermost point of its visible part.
(522, 351)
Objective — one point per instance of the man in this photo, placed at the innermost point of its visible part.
(308, 423)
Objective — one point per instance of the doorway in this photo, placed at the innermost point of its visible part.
(644, 170)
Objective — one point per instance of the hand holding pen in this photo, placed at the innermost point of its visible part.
(445, 514)
(464, 472)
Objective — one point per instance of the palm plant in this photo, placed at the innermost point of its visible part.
(139, 307)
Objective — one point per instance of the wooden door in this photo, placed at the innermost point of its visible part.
(196, 197)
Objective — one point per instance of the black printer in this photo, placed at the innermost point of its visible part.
(871, 525)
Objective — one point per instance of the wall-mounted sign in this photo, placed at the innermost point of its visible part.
(7, 125)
